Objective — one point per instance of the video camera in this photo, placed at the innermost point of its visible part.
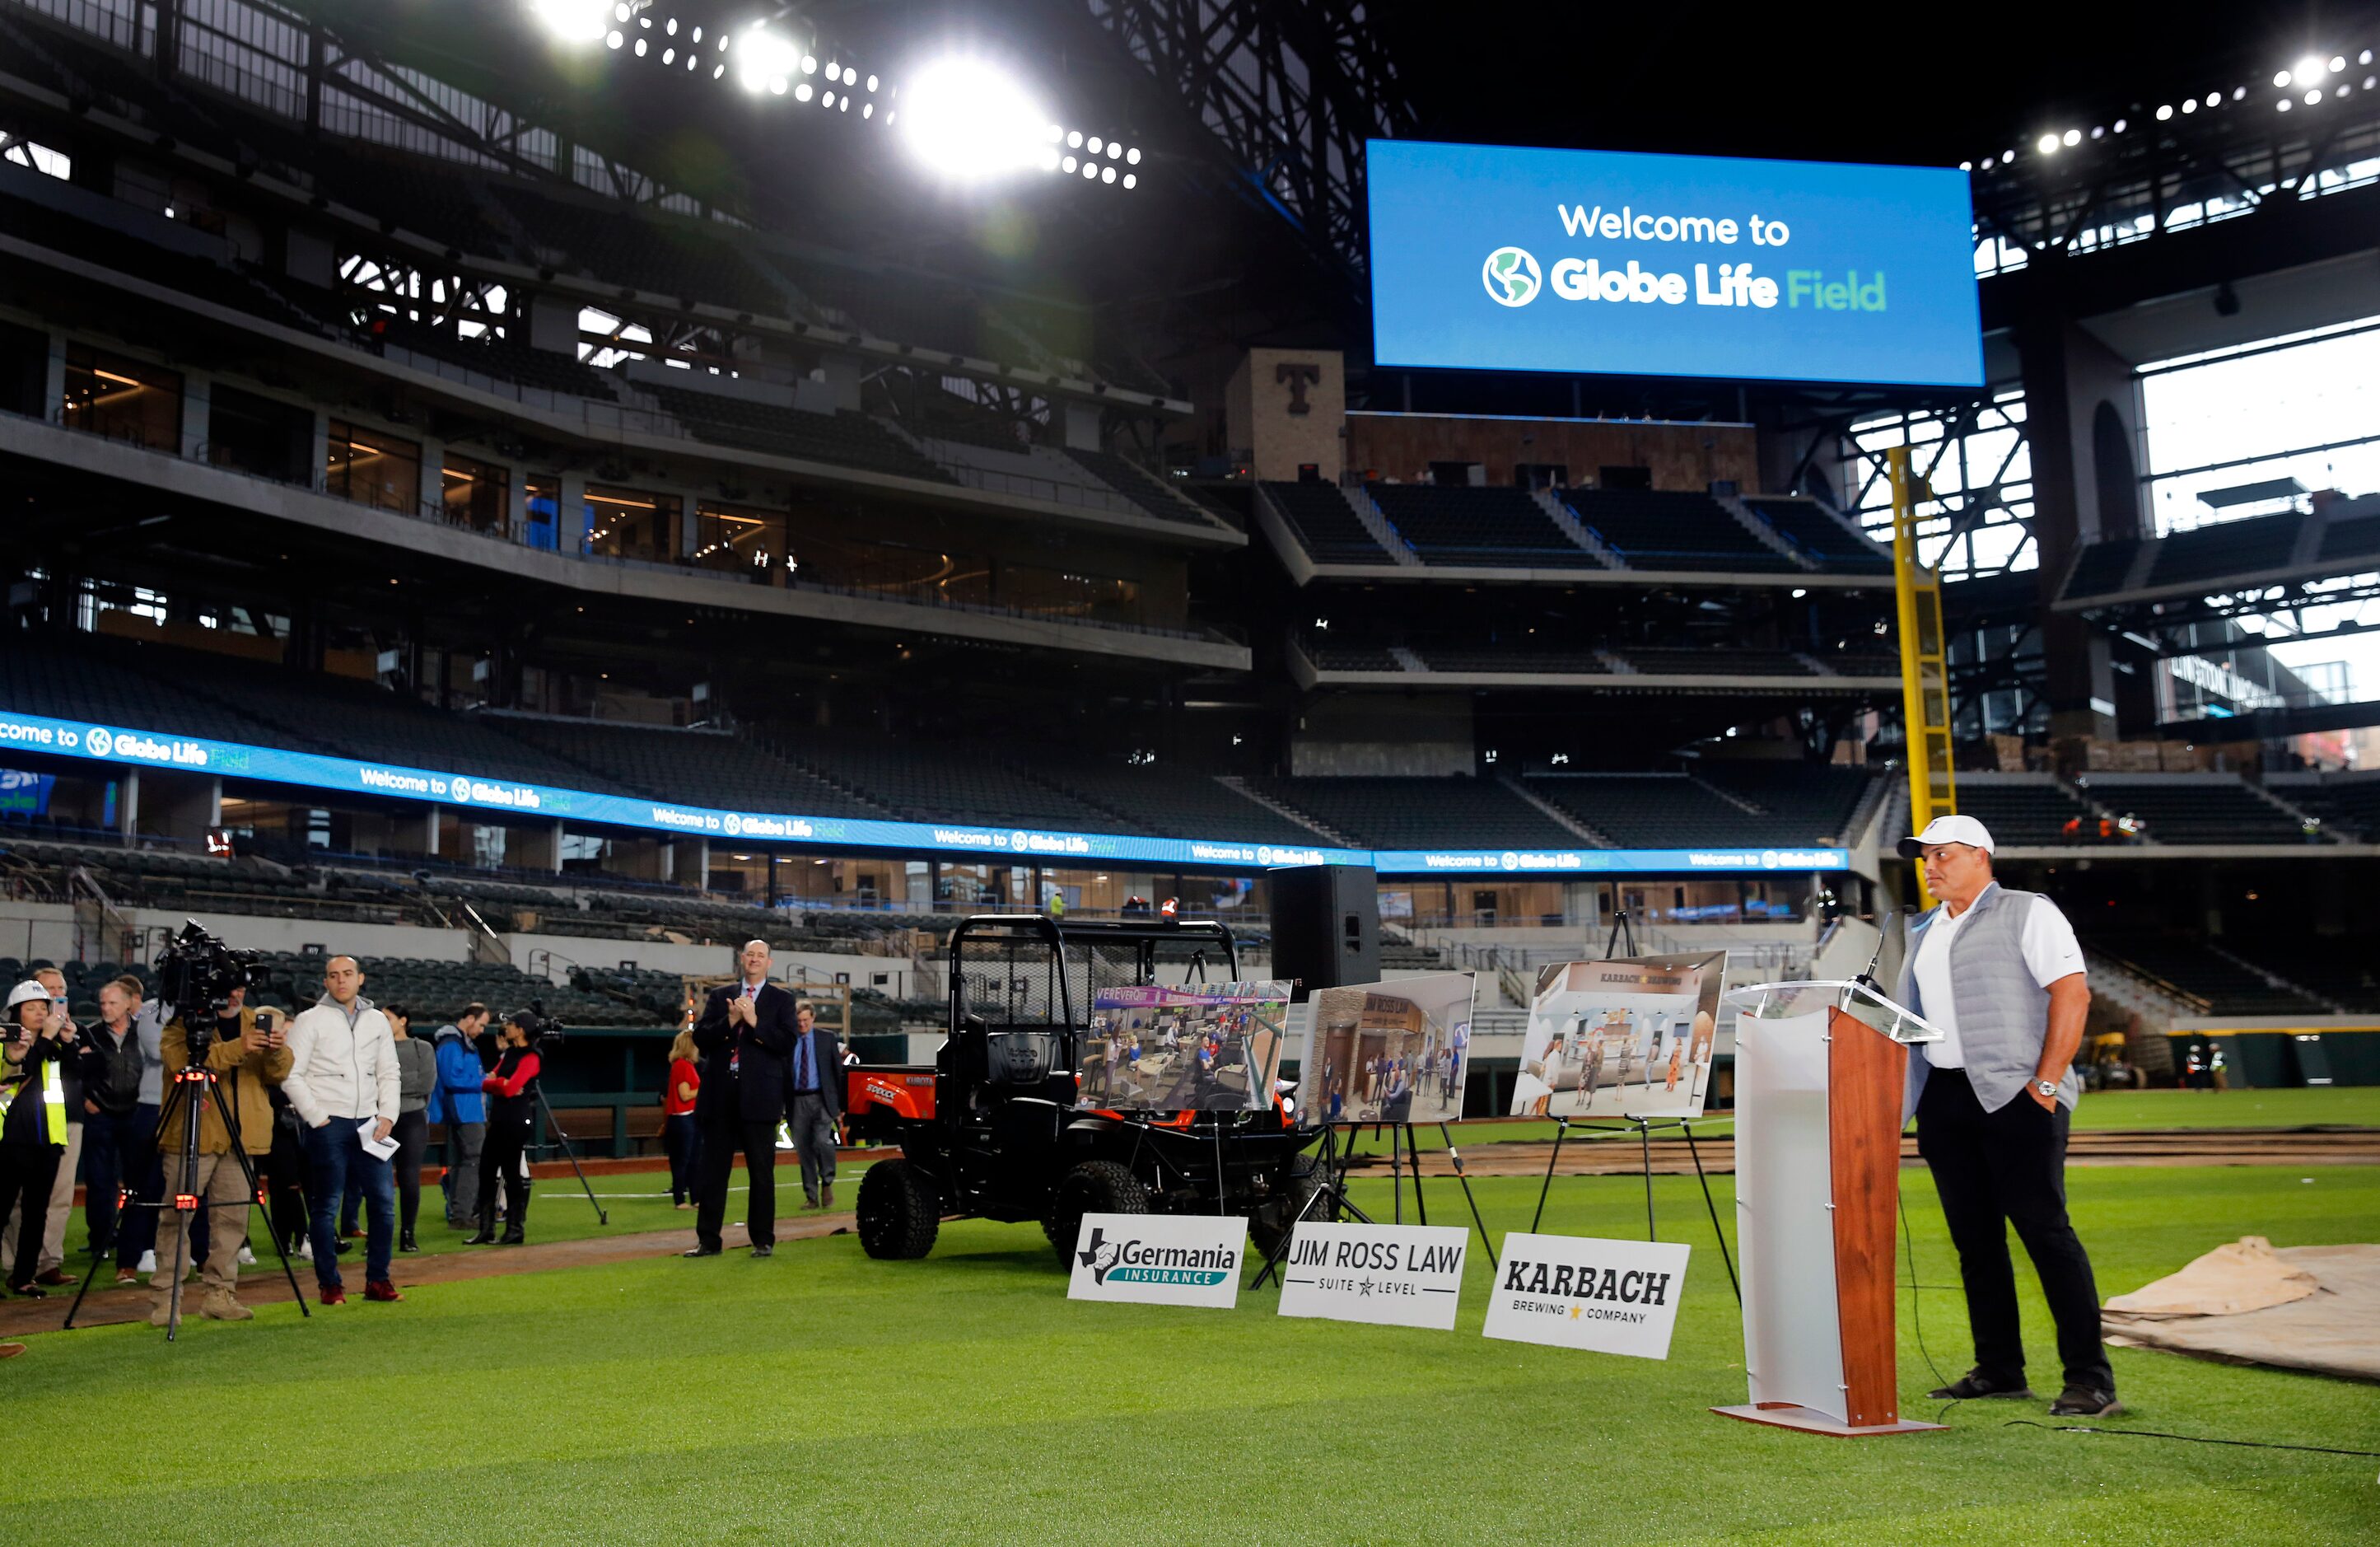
(197, 975)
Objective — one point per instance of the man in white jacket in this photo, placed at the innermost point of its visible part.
(343, 1083)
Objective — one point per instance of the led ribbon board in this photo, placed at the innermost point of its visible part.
(498, 798)
(1496, 258)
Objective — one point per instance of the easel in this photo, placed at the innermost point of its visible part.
(1623, 933)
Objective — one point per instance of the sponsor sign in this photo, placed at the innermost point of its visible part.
(24, 794)
(1160, 1259)
(234, 759)
(1577, 1292)
(1393, 1276)
(1502, 257)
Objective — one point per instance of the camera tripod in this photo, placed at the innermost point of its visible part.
(184, 1100)
(553, 1127)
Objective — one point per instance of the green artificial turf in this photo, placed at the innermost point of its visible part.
(2347, 1106)
(822, 1397)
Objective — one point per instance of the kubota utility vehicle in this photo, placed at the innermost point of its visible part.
(993, 1128)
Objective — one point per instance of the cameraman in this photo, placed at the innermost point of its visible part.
(33, 1129)
(343, 1080)
(511, 1091)
(247, 1060)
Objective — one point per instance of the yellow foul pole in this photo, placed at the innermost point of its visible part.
(1924, 667)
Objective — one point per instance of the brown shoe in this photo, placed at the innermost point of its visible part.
(125, 1276)
(52, 1276)
(221, 1306)
(826, 1195)
(10, 1351)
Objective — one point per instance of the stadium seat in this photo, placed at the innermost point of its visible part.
(1661, 530)
(1478, 527)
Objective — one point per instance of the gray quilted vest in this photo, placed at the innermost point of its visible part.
(2003, 1015)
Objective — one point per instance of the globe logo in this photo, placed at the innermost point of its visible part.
(734, 824)
(1511, 276)
(1768, 859)
(1511, 860)
(459, 786)
(98, 743)
(1017, 841)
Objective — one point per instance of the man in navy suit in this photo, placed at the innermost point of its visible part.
(744, 1034)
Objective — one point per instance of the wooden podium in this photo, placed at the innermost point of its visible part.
(1819, 1074)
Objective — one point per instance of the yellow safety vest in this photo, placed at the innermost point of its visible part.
(53, 1101)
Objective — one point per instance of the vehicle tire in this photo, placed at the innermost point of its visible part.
(1271, 1225)
(899, 1211)
(1092, 1187)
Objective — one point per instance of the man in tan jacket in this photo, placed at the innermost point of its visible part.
(246, 1058)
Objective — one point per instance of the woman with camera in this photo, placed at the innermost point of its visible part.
(33, 1129)
(511, 1091)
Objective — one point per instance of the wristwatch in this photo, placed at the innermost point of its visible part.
(2049, 1088)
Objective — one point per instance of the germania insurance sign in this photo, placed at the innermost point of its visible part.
(1576, 1292)
(1160, 1259)
(1398, 1276)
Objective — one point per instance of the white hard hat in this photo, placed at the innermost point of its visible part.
(26, 991)
(1949, 830)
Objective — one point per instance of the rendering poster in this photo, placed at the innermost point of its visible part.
(1387, 1052)
(1629, 1037)
(1195, 1048)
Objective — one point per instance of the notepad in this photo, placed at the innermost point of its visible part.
(378, 1148)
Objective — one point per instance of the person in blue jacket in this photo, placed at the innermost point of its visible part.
(459, 1103)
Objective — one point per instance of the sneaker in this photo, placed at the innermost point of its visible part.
(149, 1261)
(381, 1290)
(247, 1256)
(10, 1351)
(305, 1252)
(221, 1306)
(333, 1294)
(125, 1276)
(1976, 1386)
(2085, 1402)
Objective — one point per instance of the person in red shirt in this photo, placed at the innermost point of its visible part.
(511, 1091)
(681, 1136)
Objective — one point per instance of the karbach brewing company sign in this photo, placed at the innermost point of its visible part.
(1397, 1275)
(1576, 1292)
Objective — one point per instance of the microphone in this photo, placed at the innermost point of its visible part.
(1868, 977)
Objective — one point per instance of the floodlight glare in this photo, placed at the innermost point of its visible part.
(577, 21)
(763, 59)
(2047, 144)
(969, 121)
(2308, 71)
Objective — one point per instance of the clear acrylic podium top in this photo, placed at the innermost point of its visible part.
(1862, 1001)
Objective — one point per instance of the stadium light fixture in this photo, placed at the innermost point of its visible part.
(969, 121)
(2309, 70)
(2047, 144)
(574, 21)
(763, 59)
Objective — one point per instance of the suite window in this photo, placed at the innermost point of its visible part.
(736, 538)
(474, 492)
(632, 524)
(373, 468)
(123, 399)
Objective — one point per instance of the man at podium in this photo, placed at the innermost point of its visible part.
(1999, 974)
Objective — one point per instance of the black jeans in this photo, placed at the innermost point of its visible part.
(719, 1139)
(26, 1173)
(683, 1138)
(411, 1134)
(499, 1166)
(111, 1143)
(1994, 1169)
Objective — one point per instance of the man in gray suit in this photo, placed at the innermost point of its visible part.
(1999, 974)
(814, 1102)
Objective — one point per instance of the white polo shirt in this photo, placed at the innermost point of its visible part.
(2051, 952)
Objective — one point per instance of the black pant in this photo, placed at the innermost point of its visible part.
(501, 1161)
(286, 1178)
(683, 1137)
(1994, 1169)
(720, 1138)
(27, 1171)
(411, 1134)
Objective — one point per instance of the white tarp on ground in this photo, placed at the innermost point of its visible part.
(2298, 1307)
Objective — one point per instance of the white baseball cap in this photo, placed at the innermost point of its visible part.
(1949, 830)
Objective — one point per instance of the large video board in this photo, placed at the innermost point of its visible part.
(1496, 258)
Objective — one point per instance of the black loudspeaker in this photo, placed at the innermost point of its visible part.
(1326, 926)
